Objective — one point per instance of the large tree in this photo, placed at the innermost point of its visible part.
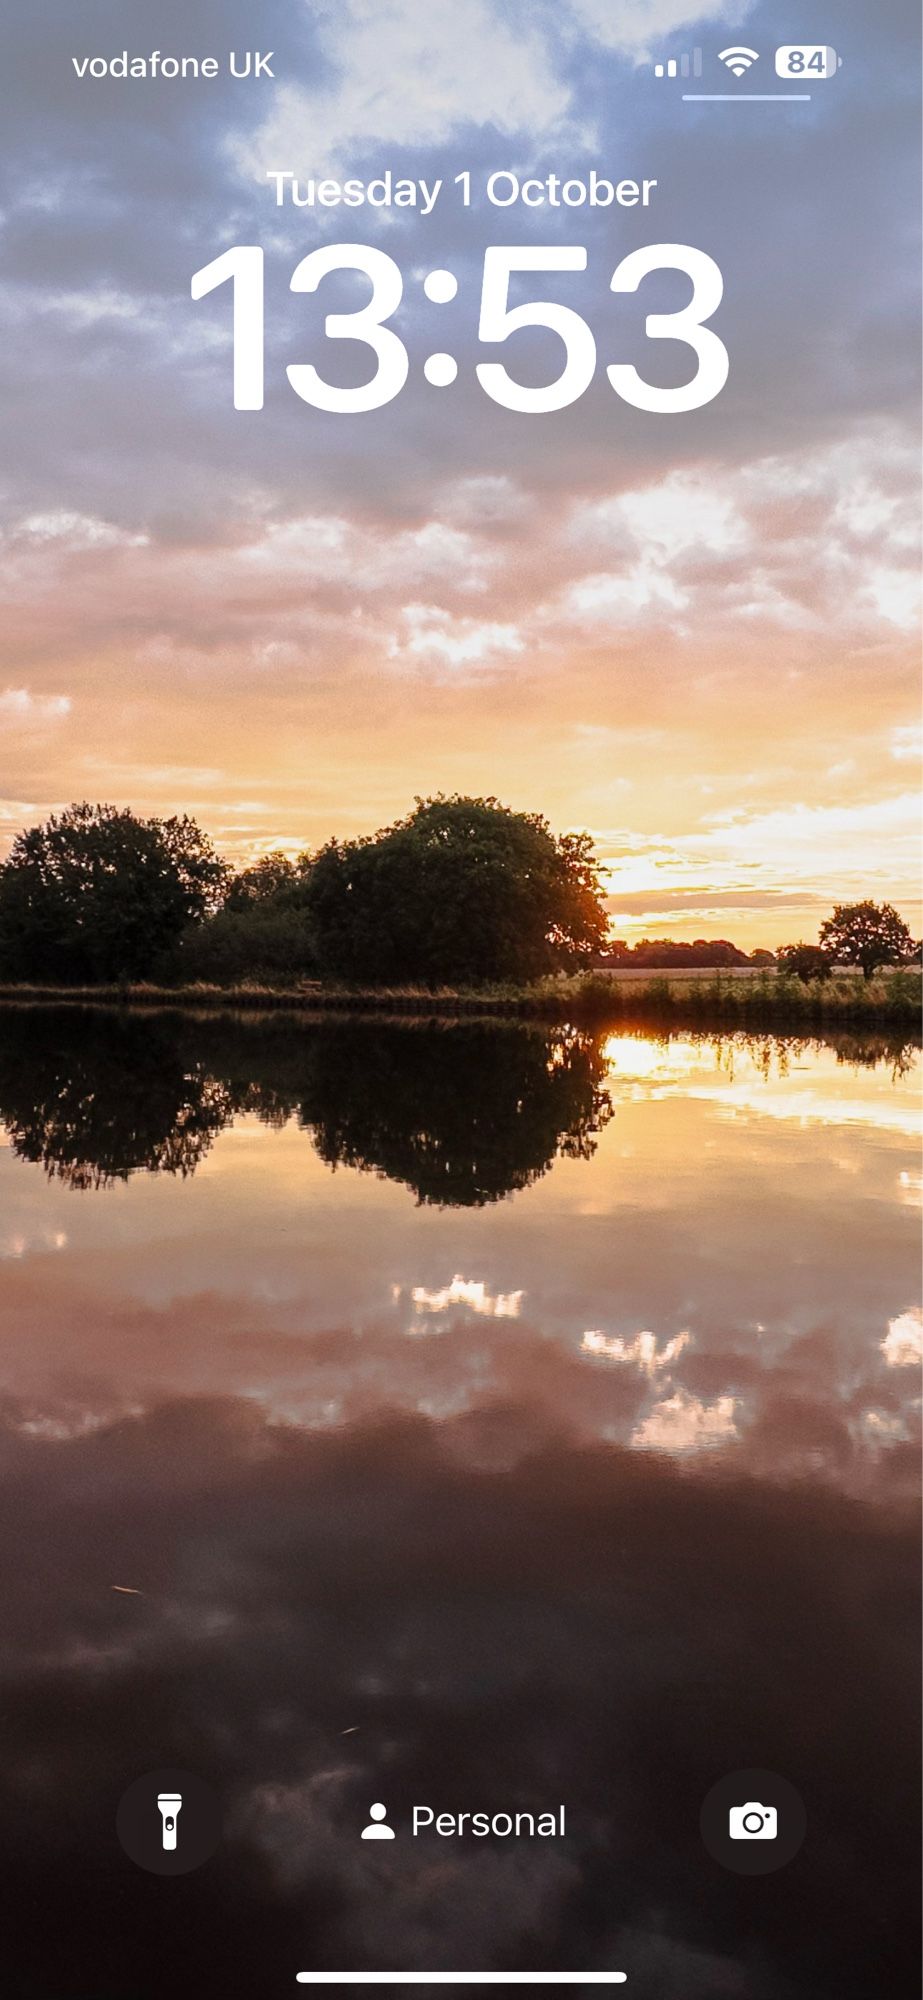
(463, 890)
(867, 934)
(98, 894)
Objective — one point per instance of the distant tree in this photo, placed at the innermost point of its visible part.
(702, 952)
(867, 934)
(463, 890)
(98, 894)
(718, 951)
(804, 961)
(662, 953)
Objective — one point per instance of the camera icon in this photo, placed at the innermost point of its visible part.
(753, 1822)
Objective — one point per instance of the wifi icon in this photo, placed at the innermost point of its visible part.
(738, 61)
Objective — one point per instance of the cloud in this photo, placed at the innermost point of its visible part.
(641, 1352)
(734, 861)
(74, 532)
(431, 634)
(491, 501)
(684, 1423)
(334, 552)
(783, 540)
(395, 74)
(803, 838)
(684, 512)
(896, 596)
(882, 1429)
(607, 598)
(92, 308)
(20, 1245)
(703, 899)
(398, 74)
(234, 641)
(635, 27)
(902, 1346)
(20, 705)
(470, 1292)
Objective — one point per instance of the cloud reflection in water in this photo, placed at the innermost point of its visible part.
(637, 1509)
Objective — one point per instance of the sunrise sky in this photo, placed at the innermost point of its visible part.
(695, 636)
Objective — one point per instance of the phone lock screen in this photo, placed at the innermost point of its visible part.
(460, 977)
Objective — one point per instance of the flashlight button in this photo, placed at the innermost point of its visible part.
(169, 1821)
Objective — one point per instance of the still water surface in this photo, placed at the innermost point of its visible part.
(484, 1416)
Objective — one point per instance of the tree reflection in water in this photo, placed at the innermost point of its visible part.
(96, 1096)
(462, 1115)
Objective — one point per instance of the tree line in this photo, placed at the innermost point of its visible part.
(865, 935)
(659, 954)
(462, 891)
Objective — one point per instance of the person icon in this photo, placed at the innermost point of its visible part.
(375, 1830)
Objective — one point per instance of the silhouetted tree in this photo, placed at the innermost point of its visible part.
(700, 952)
(867, 934)
(262, 930)
(99, 894)
(462, 890)
(804, 962)
(659, 954)
(274, 878)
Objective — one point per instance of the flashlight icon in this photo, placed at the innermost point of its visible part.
(169, 1804)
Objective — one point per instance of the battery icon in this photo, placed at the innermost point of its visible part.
(807, 59)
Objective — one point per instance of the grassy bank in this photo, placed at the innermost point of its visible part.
(724, 1000)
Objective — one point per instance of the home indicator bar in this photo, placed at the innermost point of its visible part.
(461, 1978)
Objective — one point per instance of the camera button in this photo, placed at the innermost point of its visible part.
(753, 1822)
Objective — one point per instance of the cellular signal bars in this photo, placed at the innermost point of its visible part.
(680, 65)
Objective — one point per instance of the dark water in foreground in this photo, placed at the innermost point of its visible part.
(488, 1418)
